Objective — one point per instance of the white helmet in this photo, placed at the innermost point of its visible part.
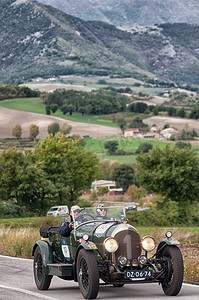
(100, 206)
(74, 208)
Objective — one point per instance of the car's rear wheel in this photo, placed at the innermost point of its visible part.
(41, 279)
(173, 265)
(87, 274)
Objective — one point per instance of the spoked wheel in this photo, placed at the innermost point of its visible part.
(173, 265)
(87, 274)
(41, 279)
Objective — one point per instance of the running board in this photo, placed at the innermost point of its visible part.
(60, 269)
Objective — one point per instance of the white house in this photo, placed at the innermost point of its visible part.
(110, 184)
(131, 132)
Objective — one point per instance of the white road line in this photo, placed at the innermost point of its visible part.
(192, 285)
(29, 259)
(27, 292)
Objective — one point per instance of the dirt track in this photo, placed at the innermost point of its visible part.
(10, 117)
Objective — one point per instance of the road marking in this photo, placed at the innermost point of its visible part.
(192, 284)
(27, 292)
(29, 259)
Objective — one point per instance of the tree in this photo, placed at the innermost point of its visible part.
(23, 181)
(137, 123)
(136, 193)
(124, 176)
(122, 123)
(71, 109)
(138, 107)
(65, 128)
(54, 108)
(53, 128)
(144, 148)
(48, 111)
(17, 131)
(34, 131)
(102, 190)
(181, 112)
(82, 110)
(172, 172)
(106, 168)
(182, 145)
(11, 161)
(68, 166)
(111, 146)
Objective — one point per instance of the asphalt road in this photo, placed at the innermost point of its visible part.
(16, 282)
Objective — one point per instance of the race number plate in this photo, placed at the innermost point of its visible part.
(138, 274)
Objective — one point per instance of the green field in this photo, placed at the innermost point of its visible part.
(122, 159)
(35, 105)
(127, 144)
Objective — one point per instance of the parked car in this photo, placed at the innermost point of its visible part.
(56, 211)
(131, 206)
(108, 249)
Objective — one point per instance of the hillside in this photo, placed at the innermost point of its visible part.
(131, 12)
(41, 41)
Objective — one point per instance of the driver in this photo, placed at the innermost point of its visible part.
(102, 212)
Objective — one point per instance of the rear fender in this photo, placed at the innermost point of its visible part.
(164, 243)
(46, 252)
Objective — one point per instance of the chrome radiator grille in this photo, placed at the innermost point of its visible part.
(129, 244)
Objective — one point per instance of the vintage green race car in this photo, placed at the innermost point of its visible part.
(106, 250)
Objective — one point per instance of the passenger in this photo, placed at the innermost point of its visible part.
(78, 217)
(102, 212)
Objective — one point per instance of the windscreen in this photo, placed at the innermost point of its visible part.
(111, 213)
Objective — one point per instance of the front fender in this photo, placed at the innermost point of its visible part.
(164, 243)
(88, 246)
(46, 251)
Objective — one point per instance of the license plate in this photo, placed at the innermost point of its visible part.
(139, 274)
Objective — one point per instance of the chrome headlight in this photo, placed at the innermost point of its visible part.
(110, 245)
(168, 234)
(148, 243)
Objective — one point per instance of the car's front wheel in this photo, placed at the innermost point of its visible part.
(87, 274)
(41, 279)
(173, 265)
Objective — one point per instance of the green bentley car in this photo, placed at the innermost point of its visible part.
(106, 250)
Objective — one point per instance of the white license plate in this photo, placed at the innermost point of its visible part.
(138, 274)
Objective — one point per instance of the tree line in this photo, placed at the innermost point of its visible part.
(8, 92)
(93, 103)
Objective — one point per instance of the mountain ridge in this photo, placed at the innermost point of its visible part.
(41, 41)
(131, 12)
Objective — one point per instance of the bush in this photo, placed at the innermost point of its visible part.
(11, 210)
(169, 215)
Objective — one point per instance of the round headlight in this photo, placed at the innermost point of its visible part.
(148, 243)
(85, 237)
(110, 245)
(168, 234)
